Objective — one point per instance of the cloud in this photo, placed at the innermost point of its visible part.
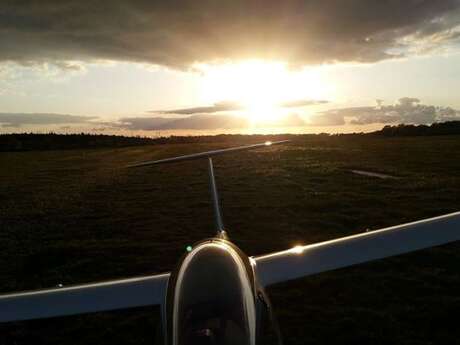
(143, 123)
(289, 120)
(233, 106)
(203, 122)
(181, 33)
(328, 118)
(215, 108)
(299, 103)
(192, 122)
(407, 110)
(19, 119)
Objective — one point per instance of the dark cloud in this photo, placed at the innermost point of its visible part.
(232, 106)
(179, 33)
(407, 110)
(20, 119)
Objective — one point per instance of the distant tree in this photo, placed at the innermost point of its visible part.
(437, 128)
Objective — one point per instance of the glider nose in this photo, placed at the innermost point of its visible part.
(213, 296)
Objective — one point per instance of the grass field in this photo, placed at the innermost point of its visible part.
(78, 216)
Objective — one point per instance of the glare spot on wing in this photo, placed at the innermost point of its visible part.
(297, 249)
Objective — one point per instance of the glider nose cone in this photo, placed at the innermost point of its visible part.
(211, 273)
(212, 295)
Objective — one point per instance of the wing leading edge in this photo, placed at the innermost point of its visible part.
(306, 260)
(272, 268)
(78, 299)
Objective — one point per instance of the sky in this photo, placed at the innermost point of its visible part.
(206, 67)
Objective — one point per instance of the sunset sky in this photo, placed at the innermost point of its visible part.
(199, 67)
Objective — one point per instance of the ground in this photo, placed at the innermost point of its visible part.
(77, 216)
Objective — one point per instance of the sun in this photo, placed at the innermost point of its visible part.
(262, 112)
(261, 87)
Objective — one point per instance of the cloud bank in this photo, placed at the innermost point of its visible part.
(408, 110)
(233, 106)
(196, 122)
(20, 119)
(215, 108)
(180, 33)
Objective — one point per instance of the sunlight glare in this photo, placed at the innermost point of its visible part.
(260, 86)
(297, 249)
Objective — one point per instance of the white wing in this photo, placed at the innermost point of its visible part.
(116, 294)
(325, 256)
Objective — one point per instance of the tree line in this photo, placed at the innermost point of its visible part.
(402, 130)
(53, 141)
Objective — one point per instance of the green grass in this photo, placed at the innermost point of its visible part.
(78, 216)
